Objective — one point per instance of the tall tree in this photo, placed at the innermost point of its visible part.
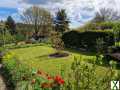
(106, 14)
(39, 18)
(61, 21)
(11, 25)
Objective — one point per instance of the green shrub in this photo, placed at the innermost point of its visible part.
(20, 37)
(6, 38)
(84, 77)
(87, 40)
(106, 25)
(116, 31)
(1, 49)
(113, 64)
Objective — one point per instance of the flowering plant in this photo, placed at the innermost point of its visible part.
(42, 80)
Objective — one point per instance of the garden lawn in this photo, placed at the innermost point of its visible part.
(38, 57)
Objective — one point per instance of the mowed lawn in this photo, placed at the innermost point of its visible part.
(38, 57)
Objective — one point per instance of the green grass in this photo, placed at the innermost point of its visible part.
(37, 57)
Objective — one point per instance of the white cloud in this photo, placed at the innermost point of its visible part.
(79, 11)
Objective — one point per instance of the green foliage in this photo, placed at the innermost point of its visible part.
(106, 25)
(1, 49)
(100, 45)
(44, 81)
(99, 26)
(19, 37)
(113, 64)
(87, 40)
(6, 38)
(84, 77)
(99, 60)
(116, 31)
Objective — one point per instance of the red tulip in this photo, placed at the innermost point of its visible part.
(62, 82)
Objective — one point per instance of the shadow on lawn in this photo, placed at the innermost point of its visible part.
(53, 55)
(81, 52)
(42, 56)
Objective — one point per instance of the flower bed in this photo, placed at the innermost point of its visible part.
(42, 80)
(16, 73)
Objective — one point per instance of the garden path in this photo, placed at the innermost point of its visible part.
(2, 83)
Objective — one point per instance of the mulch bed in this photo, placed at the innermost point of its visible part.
(59, 54)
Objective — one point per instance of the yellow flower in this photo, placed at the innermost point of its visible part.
(8, 56)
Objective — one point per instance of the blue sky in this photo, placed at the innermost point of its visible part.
(79, 11)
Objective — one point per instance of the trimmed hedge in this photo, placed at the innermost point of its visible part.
(87, 40)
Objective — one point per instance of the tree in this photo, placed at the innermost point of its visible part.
(106, 14)
(39, 18)
(61, 21)
(57, 41)
(10, 25)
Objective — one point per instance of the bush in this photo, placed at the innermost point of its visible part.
(116, 31)
(20, 37)
(6, 38)
(85, 77)
(87, 39)
(106, 25)
(113, 64)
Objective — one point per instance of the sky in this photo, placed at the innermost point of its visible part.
(79, 11)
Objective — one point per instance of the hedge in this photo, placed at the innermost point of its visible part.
(87, 40)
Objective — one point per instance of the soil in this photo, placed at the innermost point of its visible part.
(59, 55)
